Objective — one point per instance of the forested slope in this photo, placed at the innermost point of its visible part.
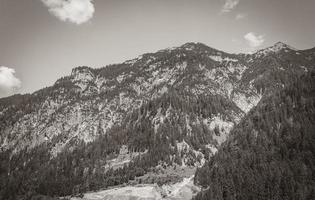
(271, 153)
(170, 130)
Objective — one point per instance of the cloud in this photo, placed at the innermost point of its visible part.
(254, 40)
(229, 5)
(240, 16)
(75, 11)
(8, 82)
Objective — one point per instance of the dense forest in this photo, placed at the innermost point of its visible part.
(271, 153)
(32, 172)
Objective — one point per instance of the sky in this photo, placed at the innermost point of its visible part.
(42, 40)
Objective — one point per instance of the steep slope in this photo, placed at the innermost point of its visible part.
(176, 129)
(270, 154)
(101, 127)
(273, 67)
(91, 98)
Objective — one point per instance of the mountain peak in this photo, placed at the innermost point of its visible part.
(277, 47)
(193, 45)
(280, 45)
(199, 47)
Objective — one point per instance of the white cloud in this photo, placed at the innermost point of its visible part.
(254, 40)
(8, 81)
(229, 5)
(240, 16)
(75, 11)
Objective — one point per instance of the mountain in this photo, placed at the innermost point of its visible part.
(101, 127)
(270, 154)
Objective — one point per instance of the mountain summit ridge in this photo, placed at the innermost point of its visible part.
(193, 46)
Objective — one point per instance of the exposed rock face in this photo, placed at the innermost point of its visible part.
(90, 101)
(82, 77)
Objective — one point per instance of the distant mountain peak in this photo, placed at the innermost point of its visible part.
(193, 44)
(196, 46)
(276, 48)
(280, 45)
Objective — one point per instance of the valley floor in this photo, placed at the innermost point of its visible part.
(183, 190)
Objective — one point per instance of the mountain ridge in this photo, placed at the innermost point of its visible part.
(228, 75)
(182, 46)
